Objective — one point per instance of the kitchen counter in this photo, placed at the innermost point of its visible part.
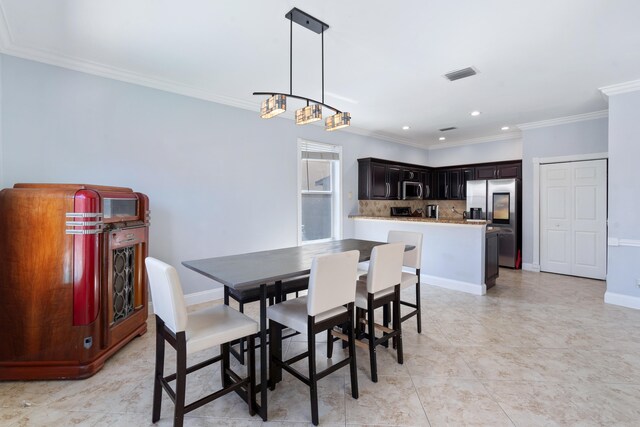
(422, 219)
(454, 252)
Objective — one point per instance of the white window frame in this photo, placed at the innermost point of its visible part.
(336, 185)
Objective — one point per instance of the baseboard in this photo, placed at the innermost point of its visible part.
(456, 285)
(622, 300)
(531, 267)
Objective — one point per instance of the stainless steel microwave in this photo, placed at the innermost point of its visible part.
(411, 190)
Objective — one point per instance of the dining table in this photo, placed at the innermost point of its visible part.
(257, 269)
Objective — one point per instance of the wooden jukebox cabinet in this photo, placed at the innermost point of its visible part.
(73, 287)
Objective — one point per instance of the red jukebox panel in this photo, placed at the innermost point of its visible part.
(72, 280)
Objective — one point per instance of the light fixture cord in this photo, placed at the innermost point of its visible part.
(291, 54)
(322, 36)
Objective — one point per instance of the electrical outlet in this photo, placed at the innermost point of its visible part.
(638, 283)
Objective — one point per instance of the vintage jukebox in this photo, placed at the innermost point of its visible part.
(73, 287)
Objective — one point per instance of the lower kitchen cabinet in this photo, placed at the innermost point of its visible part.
(491, 258)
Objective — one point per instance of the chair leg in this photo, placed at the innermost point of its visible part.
(242, 340)
(419, 309)
(397, 324)
(159, 371)
(360, 314)
(313, 381)
(275, 352)
(224, 377)
(372, 341)
(329, 344)
(251, 373)
(352, 356)
(386, 318)
(181, 379)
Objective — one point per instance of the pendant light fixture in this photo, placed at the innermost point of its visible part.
(312, 112)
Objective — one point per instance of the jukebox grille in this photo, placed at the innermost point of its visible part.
(123, 282)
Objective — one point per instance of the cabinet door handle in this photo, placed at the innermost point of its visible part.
(388, 189)
(428, 191)
(446, 191)
(420, 191)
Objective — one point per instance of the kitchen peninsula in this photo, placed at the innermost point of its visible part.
(456, 254)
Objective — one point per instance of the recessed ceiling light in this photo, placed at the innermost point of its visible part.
(442, 138)
(505, 128)
(475, 113)
(405, 128)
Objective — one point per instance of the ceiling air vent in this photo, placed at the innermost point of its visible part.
(461, 74)
(446, 129)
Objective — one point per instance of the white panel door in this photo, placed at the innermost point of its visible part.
(573, 210)
(555, 217)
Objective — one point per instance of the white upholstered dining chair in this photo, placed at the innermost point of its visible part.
(411, 259)
(329, 303)
(188, 333)
(379, 288)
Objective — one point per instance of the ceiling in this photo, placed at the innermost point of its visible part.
(384, 61)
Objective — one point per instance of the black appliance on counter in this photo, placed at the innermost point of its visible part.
(432, 211)
(400, 211)
(475, 213)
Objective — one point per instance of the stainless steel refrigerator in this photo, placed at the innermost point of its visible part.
(501, 205)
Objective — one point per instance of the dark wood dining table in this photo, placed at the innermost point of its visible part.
(257, 269)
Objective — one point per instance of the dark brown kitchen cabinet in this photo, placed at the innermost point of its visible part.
(427, 179)
(499, 171)
(441, 181)
(468, 174)
(509, 170)
(411, 174)
(491, 257)
(377, 181)
(454, 190)
(451, 183)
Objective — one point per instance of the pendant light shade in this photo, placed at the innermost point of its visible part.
(308, 114)
(277, 101)
(271, 107)
(337, 121)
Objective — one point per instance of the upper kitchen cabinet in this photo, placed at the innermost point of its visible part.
(427, 179)
(378, 180)
(468, 174)
(411, 174)
(499, 170)
(451, 184)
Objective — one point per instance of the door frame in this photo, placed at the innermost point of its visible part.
(537, 161)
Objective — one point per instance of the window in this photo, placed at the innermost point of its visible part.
(319, 208)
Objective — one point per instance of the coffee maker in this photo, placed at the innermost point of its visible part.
(432, 211)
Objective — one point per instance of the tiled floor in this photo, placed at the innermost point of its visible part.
(538, 349)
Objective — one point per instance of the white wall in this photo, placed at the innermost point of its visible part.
(220, 180)
(583, 137)
(624, 200)
(485, 152)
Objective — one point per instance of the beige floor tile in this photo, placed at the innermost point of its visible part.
(456, 402)
(390, 401)
(539, 349)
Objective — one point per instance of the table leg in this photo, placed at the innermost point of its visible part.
(263, 352)
(275, 337)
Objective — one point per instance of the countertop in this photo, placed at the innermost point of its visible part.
(421, 219)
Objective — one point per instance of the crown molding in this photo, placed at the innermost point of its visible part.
(565, 120)
(500, 137)
(7, 46)
(617, 89)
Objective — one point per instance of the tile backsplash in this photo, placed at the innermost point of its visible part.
(383, 207)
